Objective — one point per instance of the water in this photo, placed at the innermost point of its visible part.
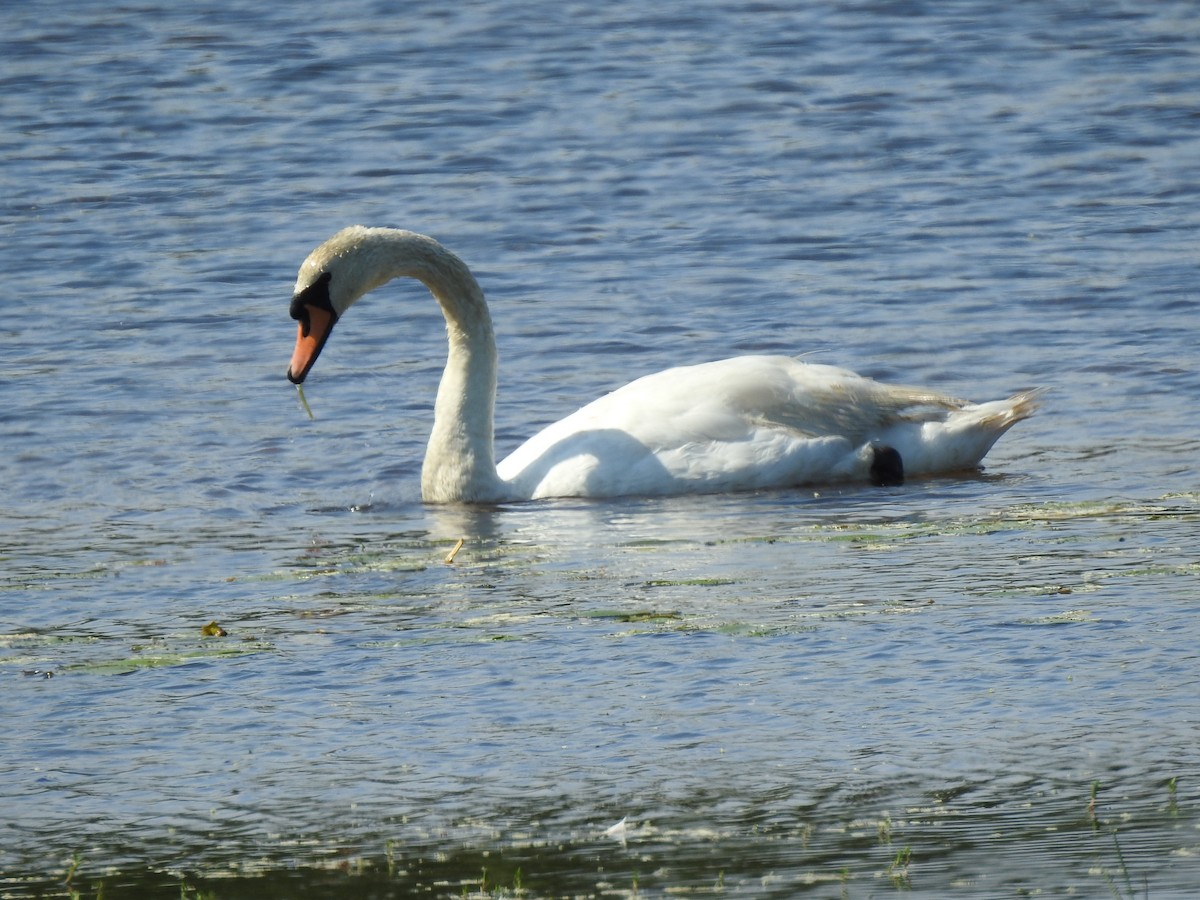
(962, 687)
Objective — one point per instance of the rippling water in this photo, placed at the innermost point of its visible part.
(961, 687)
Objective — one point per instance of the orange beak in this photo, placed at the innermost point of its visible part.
(311, 334)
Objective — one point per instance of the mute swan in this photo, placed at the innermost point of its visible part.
(738, 424)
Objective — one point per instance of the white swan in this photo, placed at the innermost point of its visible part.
(738, 424)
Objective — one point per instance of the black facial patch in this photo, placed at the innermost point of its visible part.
(316, 294)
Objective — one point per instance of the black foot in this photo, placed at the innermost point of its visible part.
(887, 468)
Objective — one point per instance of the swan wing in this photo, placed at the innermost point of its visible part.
(736, 424)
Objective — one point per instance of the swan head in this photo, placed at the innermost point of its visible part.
(331, 279)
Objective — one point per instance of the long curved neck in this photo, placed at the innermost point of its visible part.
(460, 462)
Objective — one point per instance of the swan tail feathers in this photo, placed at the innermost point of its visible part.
(1008, 413)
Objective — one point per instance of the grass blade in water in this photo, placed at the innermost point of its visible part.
(304, 402)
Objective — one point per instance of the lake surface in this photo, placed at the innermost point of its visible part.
(980, 686)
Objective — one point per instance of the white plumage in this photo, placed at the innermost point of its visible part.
(749, 422)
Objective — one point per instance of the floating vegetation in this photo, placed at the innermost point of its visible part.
(688, 582)
(57, 655)
(157, 658)
(1067, 617)
(638, 616)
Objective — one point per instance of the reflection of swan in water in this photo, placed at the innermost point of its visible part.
(737, 424)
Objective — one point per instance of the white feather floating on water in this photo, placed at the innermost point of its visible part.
(618, 832)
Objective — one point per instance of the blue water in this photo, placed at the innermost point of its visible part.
(780, 693)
